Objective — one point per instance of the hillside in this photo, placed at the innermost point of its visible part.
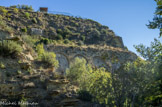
(39, 50)
(58, 27)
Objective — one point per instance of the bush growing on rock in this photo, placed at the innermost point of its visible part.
(34, 20)
(77, 69)
(27, 15)
(24, 30)
(9, 48)
(2, 66)
(25, 7)
(30, 40)
(66, 41)
(59, 37)
(16, 10)
(4, 26)
(3, 10)
(48, 58)
(94, 85)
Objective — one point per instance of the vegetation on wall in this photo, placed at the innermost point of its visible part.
(131, 85)
(48, 58)
(58, 27)
(9, 48)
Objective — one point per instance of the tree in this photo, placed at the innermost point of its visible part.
(157, 20)
(96, 82)
(153, 55)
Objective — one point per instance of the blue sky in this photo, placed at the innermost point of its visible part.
(127, 18)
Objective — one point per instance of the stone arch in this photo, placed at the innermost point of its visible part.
(98, 62)
(63, 62)
(80, 56)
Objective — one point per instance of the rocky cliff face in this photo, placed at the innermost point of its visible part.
(38, 88)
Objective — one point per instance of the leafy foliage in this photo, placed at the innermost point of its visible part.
(9, 48)
(16, 10)
(157, 20)
(151, 53)
(48, 58)
(24, 30)
(4, 26)
(27, 15)
(3, 10)
(26, 7)
(95, 83)
(2, 66)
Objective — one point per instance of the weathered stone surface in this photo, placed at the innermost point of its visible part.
(69, 102)
(63, 62)
(25, 65)
(13, 38)
(9, 89)
(29, 77)
(54, 92)
(4, 35)
(60, 81)
(108, 57)
(29, 85)
(36, 31)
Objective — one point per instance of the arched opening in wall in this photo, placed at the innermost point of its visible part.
(63, 62)
(98, 62)
(80, 56)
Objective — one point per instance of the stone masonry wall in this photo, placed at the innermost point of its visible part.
(111, 58)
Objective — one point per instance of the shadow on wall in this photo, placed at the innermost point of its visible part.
(63, 62)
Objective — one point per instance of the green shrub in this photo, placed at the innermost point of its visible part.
(1, 17)
(13, 6)
(2, 24)
(45, 41)
(83, 37)
(104, 31)
(96, 33)
(25, 7)
(27, 15)
(3, 10)
(2, 66)
(96, 84)
(48, 58)
(59, 37)
(24, 30)
(59, 31)
(66, 41)
(29, 40)
(8, 48)
(5, 27)
(40, 50)
(16, 10)
(34, 20)
(9, 29)
(77, 69)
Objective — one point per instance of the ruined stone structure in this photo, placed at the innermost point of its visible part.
(35, 31)
(110, 58)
